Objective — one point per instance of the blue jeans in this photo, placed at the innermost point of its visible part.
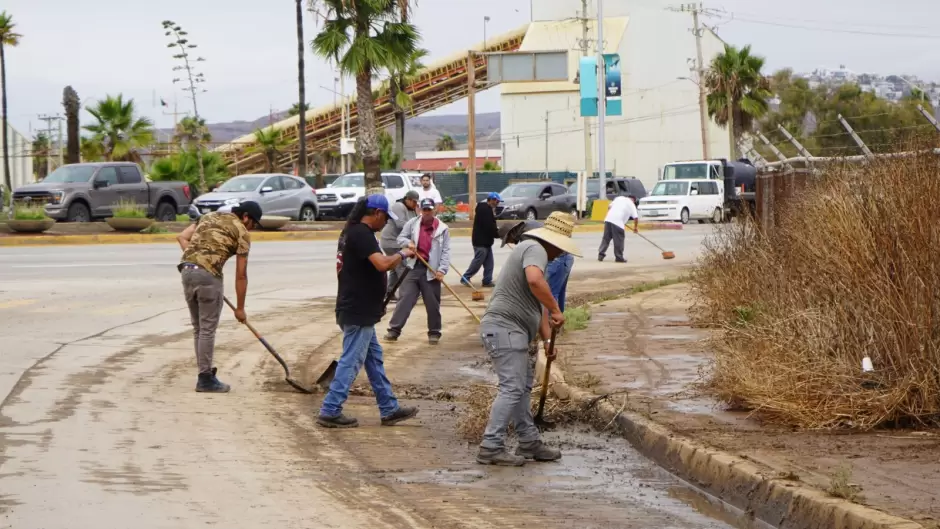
(481, 257)
(557, 276)
(360, 346)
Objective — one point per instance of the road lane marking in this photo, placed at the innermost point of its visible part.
(17, 303)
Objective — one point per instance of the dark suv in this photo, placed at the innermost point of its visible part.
(616, 187)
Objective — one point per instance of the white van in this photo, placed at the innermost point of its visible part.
(338, 199)
(683, 200)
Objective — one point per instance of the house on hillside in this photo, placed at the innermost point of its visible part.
(661, 119)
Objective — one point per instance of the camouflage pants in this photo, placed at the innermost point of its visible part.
(203, 292)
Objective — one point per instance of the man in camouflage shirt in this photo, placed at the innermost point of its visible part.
(207, 245)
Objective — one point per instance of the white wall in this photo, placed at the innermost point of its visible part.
(21, 165)
(661, 113)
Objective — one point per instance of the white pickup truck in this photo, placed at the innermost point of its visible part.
(338, 199)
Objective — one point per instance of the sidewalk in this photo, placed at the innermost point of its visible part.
(644, 346)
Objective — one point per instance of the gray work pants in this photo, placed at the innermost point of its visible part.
(514, 363)
(396, 272)
(615, 233)
(416, 283)
(203, 292)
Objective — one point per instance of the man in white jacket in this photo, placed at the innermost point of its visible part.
(429, 238)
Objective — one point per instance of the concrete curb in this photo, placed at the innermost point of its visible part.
(169, 238)
(781, 503)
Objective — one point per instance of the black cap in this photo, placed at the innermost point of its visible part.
(250, 208)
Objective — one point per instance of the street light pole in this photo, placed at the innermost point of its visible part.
(601, 103)
(485, 20)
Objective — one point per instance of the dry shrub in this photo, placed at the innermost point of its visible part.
(850, 271)
(478, 399)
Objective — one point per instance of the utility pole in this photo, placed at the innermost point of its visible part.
(472, 132)
(343, 131)
(546, 144)
(176, 114)
(700, 67)
(61, 150)
(601, 103)
(48, 131)
(588, 150)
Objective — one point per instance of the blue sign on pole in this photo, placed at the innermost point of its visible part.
(613, 84)
(587, 73)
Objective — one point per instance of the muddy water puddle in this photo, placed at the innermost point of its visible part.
(601, 481)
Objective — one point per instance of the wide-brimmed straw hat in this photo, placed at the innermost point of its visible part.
(557, 231)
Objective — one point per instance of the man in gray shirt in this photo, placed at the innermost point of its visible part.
(405, 210)
(510, 329)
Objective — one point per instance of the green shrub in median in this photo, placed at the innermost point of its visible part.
(182, 218)
(126, 209)
(29, 213)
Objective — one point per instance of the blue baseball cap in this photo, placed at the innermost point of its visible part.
(494, 196)
(380, 203)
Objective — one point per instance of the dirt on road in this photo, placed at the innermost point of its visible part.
(644, 347)
(107, 432)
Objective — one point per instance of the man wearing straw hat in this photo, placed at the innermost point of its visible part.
(558, 271)
(510, 330)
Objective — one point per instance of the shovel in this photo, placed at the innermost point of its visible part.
(271, 350)
(327, 377)
(666, 255)
(539, 415)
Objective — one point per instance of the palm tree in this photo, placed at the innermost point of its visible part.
(72, 107)
(294, 110)
(91, 150)
(119, 131)
(40, 150)
(301, 90)
(271, 143)
(365, 37)
(8, 38)
(737, 91)
(400, 99)
(191, 132)
(445, 143)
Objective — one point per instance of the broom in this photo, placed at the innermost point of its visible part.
(666, 254)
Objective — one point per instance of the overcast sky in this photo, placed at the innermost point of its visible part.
(117, 46)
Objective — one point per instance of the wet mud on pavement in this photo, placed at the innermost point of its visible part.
(107, 433)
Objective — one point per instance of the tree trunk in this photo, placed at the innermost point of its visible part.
(368, 145)
(394, 90)
(302, 125)
(72, 105)
(8, 178)
(731, 138)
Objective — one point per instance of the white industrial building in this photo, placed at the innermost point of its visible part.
(660, 121)
(21, 163)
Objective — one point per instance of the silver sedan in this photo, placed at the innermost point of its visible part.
(278, 195)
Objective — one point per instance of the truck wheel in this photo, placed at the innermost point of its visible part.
(684, 216)
(530, 214)
(165, 212)
(78, 212)
(716, 216)
(307, 214)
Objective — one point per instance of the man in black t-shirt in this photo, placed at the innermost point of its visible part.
(362, 268)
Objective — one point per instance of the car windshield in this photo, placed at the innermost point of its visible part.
(685, 171)
(241, 184)
(592, 187)
(350, 180)
(70, 174)
(521, 191)
(670, 189)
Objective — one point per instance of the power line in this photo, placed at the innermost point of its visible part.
(736, 18)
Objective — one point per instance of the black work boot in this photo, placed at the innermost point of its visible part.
(403, 413)
(538, 451)
(208, 383)
(500, 457)
(340, 421)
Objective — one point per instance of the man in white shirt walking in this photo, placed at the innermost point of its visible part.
(427, 191)
(621, 210)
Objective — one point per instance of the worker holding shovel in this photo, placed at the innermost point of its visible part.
(430, 239)
(359, 306)
(510, 330)
(558, 271)
(207, 245)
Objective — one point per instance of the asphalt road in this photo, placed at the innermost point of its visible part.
(50, 296)
(99, 426)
